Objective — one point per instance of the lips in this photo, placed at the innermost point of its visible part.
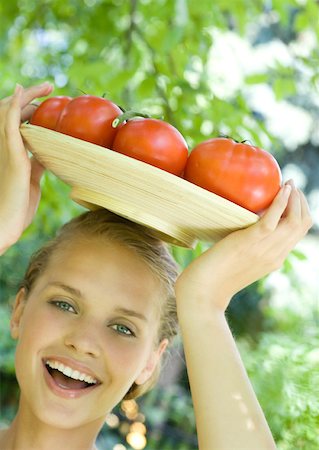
(65, 386)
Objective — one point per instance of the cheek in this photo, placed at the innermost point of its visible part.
(35, 332)
(39, 328)
(126, 353)
(37, 325)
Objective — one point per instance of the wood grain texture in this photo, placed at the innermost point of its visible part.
(179, 212)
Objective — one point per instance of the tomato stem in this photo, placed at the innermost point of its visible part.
(127, 116)
(235, 140)
(84, 93)
(226, 136)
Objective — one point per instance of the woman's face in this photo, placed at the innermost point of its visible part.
(94, 312)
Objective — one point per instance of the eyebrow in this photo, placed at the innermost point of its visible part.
(131, 312)
(65, 287)
(78, 293)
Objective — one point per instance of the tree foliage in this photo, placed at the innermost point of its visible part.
(248, 69)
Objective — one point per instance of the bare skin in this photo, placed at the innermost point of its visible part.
(77, 310)
(228, 414)
(19, 175)
(227, 411)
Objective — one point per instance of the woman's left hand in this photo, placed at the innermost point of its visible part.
(244, 256)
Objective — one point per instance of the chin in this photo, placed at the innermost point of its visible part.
(64, 419)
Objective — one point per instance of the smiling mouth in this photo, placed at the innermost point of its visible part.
(66, 382)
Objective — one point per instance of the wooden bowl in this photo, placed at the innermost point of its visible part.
(180, 212)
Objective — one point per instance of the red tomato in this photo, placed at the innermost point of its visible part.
(48, 112)
(89, 118)
(239, 172)
(153, 141)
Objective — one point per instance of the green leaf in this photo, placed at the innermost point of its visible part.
(299, 255)
(257, 78)
(147, 87)
(283, 88)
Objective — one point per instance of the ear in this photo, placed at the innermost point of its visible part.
(152, 363)
(17, 312)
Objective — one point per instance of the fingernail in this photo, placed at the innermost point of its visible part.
(18, 88)
(291, 183)
(45, 84)
(286, 189)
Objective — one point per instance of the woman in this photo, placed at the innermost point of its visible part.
(96, 311)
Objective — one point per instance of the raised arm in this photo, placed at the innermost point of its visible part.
(19, 175)
(228, 415)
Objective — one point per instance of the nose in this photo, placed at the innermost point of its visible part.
(84, 339)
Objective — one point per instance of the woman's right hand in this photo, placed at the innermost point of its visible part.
(19, 174)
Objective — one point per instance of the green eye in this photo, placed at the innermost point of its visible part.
(122, 329)
(65, 306)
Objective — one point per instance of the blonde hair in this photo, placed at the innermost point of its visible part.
(113, 228)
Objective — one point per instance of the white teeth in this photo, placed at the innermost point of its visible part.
(75, 374)
(67, 371)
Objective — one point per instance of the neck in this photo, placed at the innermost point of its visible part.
(29, 433)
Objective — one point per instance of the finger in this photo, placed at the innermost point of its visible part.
(38, 90)
(37, 170)
(34, 92)
(305, 212)
(297, 221)
(293, 210)
(269, 221)
(35, 191)
(12, 122)
(28, 111)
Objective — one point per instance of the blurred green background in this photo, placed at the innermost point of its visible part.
(247, 69)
